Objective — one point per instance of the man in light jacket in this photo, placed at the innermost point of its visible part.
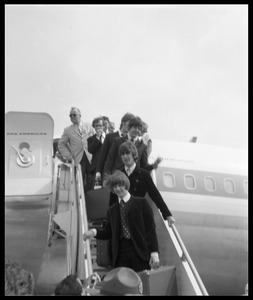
(73, 142)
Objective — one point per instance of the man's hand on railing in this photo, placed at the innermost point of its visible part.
(154, 261)
(170, 220)
(89, 234)
(91, 280)
(67, 160)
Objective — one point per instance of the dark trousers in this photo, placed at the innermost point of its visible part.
(129, 258)
(90, 181)
(85, 165)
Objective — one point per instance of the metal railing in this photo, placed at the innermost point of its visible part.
(71, 237)
(186, 260)
(84, 268)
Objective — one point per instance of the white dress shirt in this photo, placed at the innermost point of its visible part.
(125, 198)
(130, 170)
(102, 137)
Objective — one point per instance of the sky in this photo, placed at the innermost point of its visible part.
(182, 68)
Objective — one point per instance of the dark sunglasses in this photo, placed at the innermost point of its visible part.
(72, 116)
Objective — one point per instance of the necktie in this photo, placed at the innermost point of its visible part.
(101, 138)
(125, 230)
(128, 170)
(80, 130)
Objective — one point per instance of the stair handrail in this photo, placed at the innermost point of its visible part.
(83, 223)
(70, 264)
(186, 257)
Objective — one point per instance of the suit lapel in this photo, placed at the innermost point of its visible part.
(84, 131)
(75, 128)
(137, 143)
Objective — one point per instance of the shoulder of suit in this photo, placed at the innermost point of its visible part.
(92, 137)
(122, 138)
(87, 124)
(115, 133)
(137, 170)
(142, 171)
(136, 199)
(118, 138)
(111, 135)
(70, 127)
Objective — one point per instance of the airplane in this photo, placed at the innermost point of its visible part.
(204, 186)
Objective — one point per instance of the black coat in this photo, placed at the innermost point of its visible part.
(109, 138)
(141, 226)
(141, 183)
(94, 147)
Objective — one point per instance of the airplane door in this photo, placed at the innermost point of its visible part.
(28, 156)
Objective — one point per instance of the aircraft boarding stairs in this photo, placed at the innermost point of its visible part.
(68, 219)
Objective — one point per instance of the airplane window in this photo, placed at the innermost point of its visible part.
(245, 184)
(210, 183)
(229, 185)
(169, 179)
(190, 182)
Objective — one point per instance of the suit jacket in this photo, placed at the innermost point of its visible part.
(72, 144)
(94, 147)
(109, 138)
(114, 161)
(141, 183)
(141, 226)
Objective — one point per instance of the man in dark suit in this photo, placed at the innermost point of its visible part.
(108, 143)
(141, 182)
(131, 228)
(114, 161)
(95, 144)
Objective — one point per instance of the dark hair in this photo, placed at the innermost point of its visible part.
(117, 177)
(128, 147)
(135, 122)
(105, 118)
(69, 286)
(127, 116)
(96, 120)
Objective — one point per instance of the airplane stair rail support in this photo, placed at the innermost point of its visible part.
(57, 171)
(54, 200)
(72, 221)
(72, 237)
(187, 261)
(84, 261)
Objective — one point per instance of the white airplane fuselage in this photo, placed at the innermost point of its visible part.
(206, 189)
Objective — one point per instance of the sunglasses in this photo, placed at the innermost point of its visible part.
(72, 116)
